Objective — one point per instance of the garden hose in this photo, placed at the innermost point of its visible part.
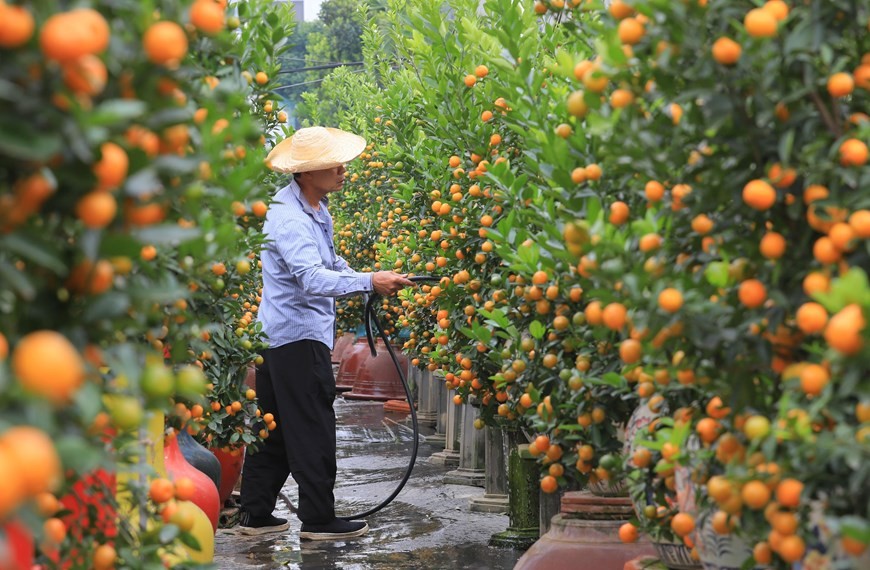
(371, 319)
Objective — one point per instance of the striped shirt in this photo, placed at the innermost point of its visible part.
(302, 274)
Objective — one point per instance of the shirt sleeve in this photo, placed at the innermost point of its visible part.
(299, 251)
(342, 266)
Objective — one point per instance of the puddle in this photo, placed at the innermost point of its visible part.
(427, 527)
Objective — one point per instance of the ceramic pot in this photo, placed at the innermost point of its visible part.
(676, 556)
(201, 531)
(716, 551)
(151, 439)
(824, 548)
(231, 469)
(206, 495)
(720, 551)
(640, 419)
(197, 455)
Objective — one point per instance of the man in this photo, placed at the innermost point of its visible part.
(302, 275)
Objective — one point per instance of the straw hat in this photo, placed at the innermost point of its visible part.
(315, 148)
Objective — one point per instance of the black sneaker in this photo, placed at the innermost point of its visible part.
(336, 530)
(249, 525)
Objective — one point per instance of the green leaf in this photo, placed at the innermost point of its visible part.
(610, 379)
(571, 427)
(189, 540)
(785, 146)
(143, 183)
(167, 117)
(17, 280)
(107, 306)
(176, 164)
(168, 533)
(652, 444)
(852, 287)
(87, 398)
(77, 454)
(38, 253)
(497, 317)
(19, 140)
(158, 293)
(529, 255)
(484, 334)
(116, 111)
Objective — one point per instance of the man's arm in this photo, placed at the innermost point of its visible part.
(299, 250)
(342, 266)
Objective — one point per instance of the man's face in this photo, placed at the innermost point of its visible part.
(326, 180)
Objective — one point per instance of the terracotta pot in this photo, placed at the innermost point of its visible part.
(351, 360)
(231, 469)
(616, 488)
(251, 377)
(343, 343)
(206, 495)
(377, 378)
(585, 535)
(16, 547)
(197, 455)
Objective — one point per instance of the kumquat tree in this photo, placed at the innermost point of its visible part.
(650, 220)
(132, 139)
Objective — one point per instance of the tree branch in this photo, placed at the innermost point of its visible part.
(826, 115)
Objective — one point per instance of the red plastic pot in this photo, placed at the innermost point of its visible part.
(231, 470)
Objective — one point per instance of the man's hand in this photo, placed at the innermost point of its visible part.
(386, 283)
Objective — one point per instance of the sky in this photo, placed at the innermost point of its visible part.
(312, 8)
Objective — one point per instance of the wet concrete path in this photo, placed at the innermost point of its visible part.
(429, 525)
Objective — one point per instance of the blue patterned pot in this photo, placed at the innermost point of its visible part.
(721, 551)
(199, 457)
(676, 556)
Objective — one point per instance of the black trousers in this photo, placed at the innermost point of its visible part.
(296, 384)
